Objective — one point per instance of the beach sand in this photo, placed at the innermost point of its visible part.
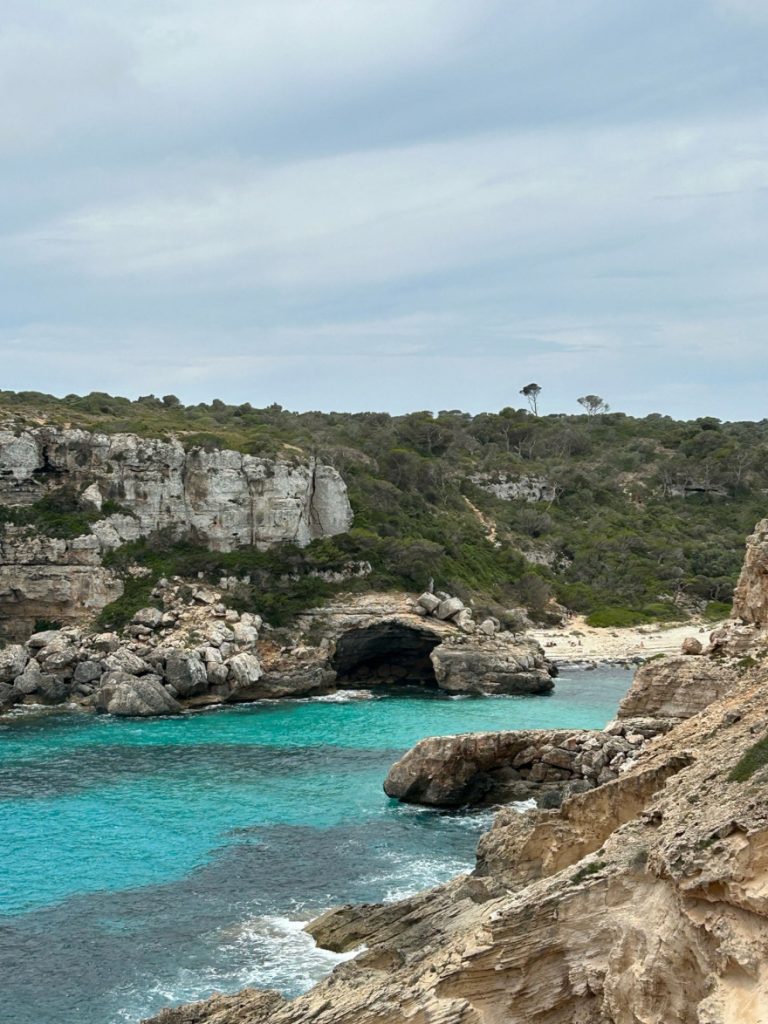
(579, 642)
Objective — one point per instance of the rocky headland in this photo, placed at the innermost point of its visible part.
(639, 898)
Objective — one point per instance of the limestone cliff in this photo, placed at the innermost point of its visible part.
(222, 498)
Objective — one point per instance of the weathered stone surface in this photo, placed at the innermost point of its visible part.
(223, 498)
(429, 602)
(135, 696)
(152, 618)
(12, 662)
(186, 673)
(474, 768)
(492, 667)
(124, 660)
(448, 608)
(676, 688)
(88, 671)
(250, 1006)
(519, 488)
(750, 599)
(40, 687)
(244, 671)
(692, 646)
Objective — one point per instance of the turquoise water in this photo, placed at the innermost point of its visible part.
(147, 862)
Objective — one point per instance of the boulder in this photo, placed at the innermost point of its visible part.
(42, 687)
(692, 646)
(492, 667)
(429, 602)
(448, 608)
(488, 627)
(8, 695)
(46, 637)
(88, 672)
(135, 696)
(244, 671)
(123, 660)
(152, 618)
(675, 688)
(245, 636)
(185, 671)
(12, 662)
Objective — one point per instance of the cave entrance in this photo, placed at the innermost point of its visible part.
(385, 654)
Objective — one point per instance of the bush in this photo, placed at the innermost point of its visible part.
(752, 760)
(717, 610)
(616, 618)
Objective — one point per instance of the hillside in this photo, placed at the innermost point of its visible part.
(624, 519)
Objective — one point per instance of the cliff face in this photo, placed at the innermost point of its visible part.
(222, 498)
(750, 600)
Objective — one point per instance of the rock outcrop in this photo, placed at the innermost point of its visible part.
(204, 653)
(640, 900)
(498, 767)
(750, 599)
(670, 689)
(224, 499)
(187, 651)
(518, 488)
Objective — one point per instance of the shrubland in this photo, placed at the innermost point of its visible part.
(644, 519)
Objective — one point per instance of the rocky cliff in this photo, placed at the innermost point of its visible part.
(641, 900)
(222, 498)
(750, 601)
(643, 897)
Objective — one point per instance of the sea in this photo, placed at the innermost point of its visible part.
(151, 862)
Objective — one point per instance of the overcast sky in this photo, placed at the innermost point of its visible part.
(387, 204)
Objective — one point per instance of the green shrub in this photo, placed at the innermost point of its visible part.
(752, 760)
(616, 618)
(717, 610)
(587, 870)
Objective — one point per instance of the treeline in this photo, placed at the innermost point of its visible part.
(640, 518)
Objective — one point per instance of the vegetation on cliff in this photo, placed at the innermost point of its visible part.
(635, 519)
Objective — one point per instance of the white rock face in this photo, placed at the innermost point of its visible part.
(225, 498)
(222, 498)
(521, 488)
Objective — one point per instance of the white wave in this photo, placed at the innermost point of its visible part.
(264, 952)
(344, 697)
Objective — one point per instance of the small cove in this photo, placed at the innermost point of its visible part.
(149, 862)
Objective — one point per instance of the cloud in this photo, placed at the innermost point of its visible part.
(398, 201)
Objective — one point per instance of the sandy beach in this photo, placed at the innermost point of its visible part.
(579, 642)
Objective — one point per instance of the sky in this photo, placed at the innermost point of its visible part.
(387, 204)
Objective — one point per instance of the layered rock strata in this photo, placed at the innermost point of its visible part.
(640, 900)
(497, 767)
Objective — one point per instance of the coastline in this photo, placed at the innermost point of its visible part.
(580, 645)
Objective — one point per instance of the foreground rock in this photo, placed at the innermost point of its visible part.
(640, 900)
(497, 767)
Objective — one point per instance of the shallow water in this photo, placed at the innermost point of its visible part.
(151, 862)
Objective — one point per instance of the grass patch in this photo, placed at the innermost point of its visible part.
(753, 759)
(587, 870)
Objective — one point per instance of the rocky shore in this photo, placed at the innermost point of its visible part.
(189, 650)
(640, 899)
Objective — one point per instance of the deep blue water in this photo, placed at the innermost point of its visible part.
(152, 862)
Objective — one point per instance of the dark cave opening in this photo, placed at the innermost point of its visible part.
(385, 654)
